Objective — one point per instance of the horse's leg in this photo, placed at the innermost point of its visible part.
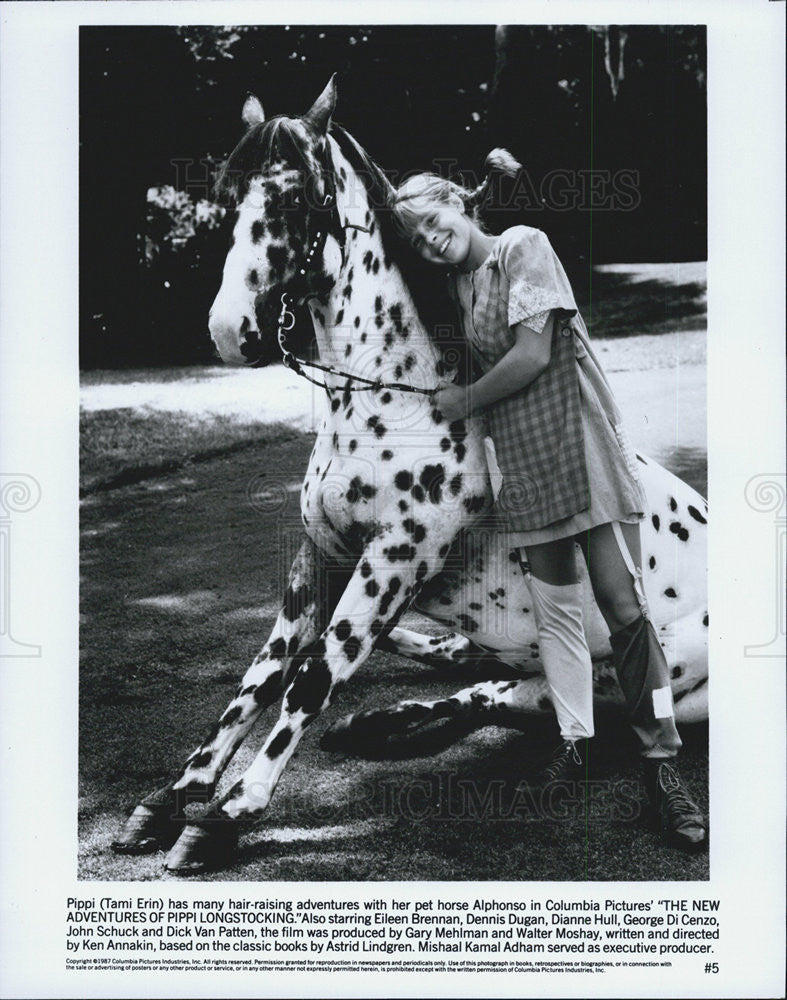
(159, 817)
(490, 703)
(449, 650)
(372, 602)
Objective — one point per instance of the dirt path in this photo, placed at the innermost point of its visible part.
(182, 578)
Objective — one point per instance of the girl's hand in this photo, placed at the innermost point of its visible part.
(453, 401)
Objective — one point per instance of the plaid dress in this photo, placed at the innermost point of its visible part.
(559, 444)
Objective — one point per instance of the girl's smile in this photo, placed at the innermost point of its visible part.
(445, 235)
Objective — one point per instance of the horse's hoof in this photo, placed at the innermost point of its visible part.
(146, 830)
(203, 847)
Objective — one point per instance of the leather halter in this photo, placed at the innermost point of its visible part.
(287, 317)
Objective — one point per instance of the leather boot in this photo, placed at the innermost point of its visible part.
(679, 816)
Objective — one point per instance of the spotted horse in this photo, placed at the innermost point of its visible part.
(396, 501)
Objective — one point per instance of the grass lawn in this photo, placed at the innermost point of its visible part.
(123, 446)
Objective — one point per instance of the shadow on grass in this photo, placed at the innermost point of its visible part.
(616, 306)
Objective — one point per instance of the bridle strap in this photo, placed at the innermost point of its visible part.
(287, 322)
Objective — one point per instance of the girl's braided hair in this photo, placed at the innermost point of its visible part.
(408, 200)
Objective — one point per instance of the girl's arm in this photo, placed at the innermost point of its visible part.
(518, 367)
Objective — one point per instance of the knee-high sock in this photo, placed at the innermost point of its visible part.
(565, 655)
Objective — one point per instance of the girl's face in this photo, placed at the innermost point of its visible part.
(443, 234)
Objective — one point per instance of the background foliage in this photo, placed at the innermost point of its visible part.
(577, 105)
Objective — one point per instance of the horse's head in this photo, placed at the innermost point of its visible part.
(280, 179)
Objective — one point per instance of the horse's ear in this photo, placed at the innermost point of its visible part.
(252, 113)
(318, 117)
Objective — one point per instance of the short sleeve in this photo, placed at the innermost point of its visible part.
(537, 283)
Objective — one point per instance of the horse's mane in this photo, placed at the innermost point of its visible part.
(275, 138)
(426, 284)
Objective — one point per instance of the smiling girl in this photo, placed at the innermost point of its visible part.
(565, 457)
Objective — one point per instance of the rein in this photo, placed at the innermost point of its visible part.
(287, 322)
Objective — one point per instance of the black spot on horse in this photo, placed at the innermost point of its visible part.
(373, 423)
(673, 504)
(353, 445)
(677, 529)
(468, 623)
(257, 230)
(445, 444)
(474, 505)
(279, 743)
(456, 484)
(343, 630)
(348, 350)
(378, 303)
(652, 562)
(352, 648)
(418, 493)
(395, 312)
(403, 506)
(458, 430)
(295, 602)
(367, 260)
(656, 521)
(366, 569)
(231, 716)
(676, 671)
(705, 620)
(459, 452)
(310, 687)
(292, 645)
(394, 586)
(403, 480)
(277, 258)
(670, 592)
(432, 479)
(418, 531)
(253, 278)
(278, 649)
(339, 317)
(696, 515)
(335, 404)
(372, 588)
(386, 397)
(357, 322)
(375, 265)
(386, 455)
(400, 553)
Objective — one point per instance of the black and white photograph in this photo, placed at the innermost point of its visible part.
(308, 488)
(371, 390)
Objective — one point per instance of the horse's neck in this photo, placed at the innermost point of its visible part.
(370, 325)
